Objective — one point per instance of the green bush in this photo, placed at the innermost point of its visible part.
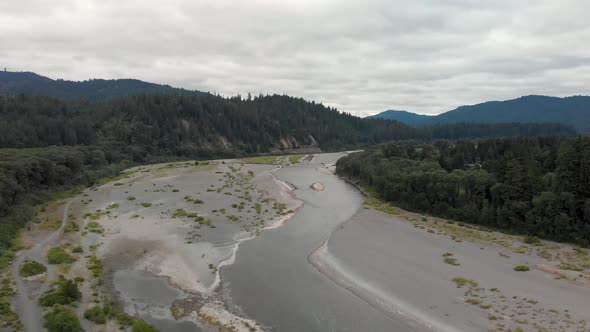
(58, 255)
(521, 268)
(67, 292)
(78, 250)
(96, 315)
(62, 319)
(31, 268)
(141, 326)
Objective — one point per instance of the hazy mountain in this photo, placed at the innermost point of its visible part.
(95, 89)
(409, 118)
(573, 111)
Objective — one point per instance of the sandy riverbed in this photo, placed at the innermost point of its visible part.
(407, 268)
(177, 224)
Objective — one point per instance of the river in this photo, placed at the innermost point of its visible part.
(272, 280)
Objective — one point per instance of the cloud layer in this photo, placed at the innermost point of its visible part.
(426, 56)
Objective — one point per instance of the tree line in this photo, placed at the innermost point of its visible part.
(535, 186)
(197, 125)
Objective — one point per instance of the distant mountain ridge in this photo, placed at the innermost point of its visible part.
(93, 90)
(409, 118)
(573, 111)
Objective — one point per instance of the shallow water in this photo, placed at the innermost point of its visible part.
(150, 297)
(272, 281)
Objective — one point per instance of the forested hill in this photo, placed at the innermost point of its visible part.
(96, 89)
(573, 111)
(206, 125)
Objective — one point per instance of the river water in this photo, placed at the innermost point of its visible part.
(272, 280)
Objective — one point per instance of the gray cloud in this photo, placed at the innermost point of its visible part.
(363, 57)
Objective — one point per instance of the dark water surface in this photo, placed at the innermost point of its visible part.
(272, 281)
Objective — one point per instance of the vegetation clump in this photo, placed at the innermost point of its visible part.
(62, 319)
(59, 255)
(141, 326)
(449, 259)
(66, 292)
(521, 268)
(460, 282)
(96, 315)
(31, 268)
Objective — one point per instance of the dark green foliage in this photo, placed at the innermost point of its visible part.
(193, 126)
(31, 268)
(534, 186)
(96, 315)
(61, 319)
(141, 326)
(66, 292)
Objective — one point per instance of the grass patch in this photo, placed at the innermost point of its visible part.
(296, 159)
(380, 205)
(529, 239)
(58, 255)
(146, 205)
(260, 160)
(113, 206)
(460, 282)
(31, 268)
(96, 315)
(570, 266)
(141, 326)
(521, 268)
(95, 266)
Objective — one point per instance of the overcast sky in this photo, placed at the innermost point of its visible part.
(425, 56)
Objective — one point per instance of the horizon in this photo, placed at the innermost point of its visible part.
(427, 57)
(316, 101)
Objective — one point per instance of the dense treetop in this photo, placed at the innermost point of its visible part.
(199, 125)
(535, 186)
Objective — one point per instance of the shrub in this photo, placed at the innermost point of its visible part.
(96, 315)
(32, 268)
(62, 319)
(58, 255)
(460, 282)
(67, 292)
(113, 206)
(521, 268)
(78, 250)
(141, 326)
(131, 198)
